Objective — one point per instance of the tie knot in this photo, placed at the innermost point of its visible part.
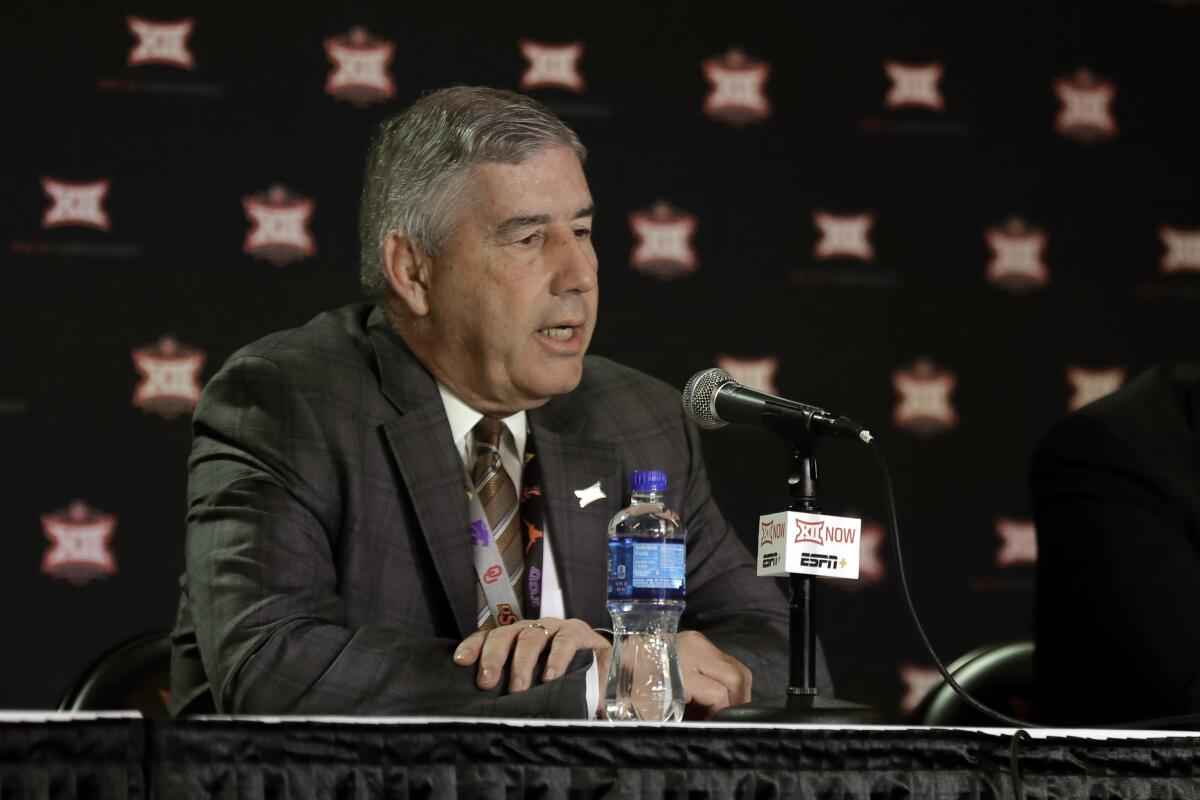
(487, 432)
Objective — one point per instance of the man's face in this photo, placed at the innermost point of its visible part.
(512, 300)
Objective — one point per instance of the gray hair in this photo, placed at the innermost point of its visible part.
(421, 159)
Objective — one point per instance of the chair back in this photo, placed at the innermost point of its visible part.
(999, 676)
(134, 675)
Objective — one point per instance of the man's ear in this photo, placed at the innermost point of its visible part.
(408, 271)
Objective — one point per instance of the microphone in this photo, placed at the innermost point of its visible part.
(714, 399)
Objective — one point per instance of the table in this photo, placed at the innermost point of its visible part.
(128, 756)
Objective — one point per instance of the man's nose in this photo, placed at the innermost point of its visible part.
(574, 265)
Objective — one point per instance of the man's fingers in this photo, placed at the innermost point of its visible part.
(698, 654)
(492, 658)
(573, 636)
(747, 683)
(562, 650)
(531, 641)
(468, 649)
(720, 669)
(731, 674)
(524, 643)
(706, 693)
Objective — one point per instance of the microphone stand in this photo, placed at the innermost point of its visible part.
(802, 704)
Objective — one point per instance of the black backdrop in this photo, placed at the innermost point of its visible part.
(182, 147)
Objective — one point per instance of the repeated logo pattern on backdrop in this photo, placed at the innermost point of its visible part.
(1086, 113)
(925, 406)
(161, 42)
(954, 251)
(80, 204)
(1017, 263)
(738, 88)
(914, 85)
(552, 66)
(844, 236)
(170, 383)
(664, 241)
(1183, 250)
(360, 73)
(80, 538)
(279, 226)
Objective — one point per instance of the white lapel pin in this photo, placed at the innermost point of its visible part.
(590, 495)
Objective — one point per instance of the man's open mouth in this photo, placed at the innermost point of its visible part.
(558, 334)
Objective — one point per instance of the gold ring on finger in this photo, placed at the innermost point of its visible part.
(544, 629)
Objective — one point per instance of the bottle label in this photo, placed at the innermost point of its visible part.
(646, 570)
(658, 565)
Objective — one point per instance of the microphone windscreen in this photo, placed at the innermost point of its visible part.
(698, 395)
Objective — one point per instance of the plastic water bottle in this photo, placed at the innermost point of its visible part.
(646, 586)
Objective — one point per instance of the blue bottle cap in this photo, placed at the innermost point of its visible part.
(644, 481)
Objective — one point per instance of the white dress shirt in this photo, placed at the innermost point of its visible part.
(463, 420)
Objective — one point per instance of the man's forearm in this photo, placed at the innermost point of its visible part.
(319, 669)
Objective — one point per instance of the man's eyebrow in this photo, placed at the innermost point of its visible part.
(514, 224)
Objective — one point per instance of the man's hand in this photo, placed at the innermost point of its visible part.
(712, 679)
(523, 643)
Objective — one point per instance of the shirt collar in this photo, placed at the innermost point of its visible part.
(463, 418)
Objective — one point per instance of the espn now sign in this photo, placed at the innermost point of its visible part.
(808, 544)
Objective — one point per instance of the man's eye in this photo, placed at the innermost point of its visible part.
(583, 233)
(530, 239)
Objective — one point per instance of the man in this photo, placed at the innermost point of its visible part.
(336, 562)
(1116, 488)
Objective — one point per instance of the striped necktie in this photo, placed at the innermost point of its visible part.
(498, 496)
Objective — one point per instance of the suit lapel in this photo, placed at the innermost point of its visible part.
(433, 478)
(578, 536)
(431, 468)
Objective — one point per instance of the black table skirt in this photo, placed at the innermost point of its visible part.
(294, 759)
(103, 758)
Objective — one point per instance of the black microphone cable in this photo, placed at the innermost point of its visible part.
(890, 500)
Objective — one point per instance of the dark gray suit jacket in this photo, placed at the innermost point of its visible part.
(328, 566)
(1116, 499)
